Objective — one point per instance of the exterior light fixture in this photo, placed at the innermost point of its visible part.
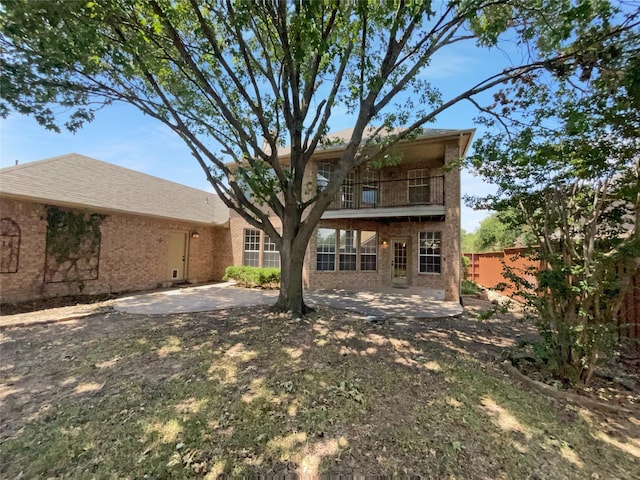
(195, 235)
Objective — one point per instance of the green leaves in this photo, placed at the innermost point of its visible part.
(567, 164)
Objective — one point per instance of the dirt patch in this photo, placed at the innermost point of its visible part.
(41, 306)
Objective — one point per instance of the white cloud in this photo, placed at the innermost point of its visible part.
(451, 65)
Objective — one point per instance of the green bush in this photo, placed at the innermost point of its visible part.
(253, 276)
(470, 288)
(466, 263)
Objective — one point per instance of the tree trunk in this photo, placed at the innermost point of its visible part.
(291, 299)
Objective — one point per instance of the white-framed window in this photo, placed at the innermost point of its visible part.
(369, 190)
(429, 252)
(347, 191)
(348, 250)
(270, 253)
(326, 249)
(418, 183)
(325, 173)
(251, 255)
(368, 251)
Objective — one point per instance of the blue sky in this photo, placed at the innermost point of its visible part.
(123, 136)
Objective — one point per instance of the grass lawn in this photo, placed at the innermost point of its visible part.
(244, 392)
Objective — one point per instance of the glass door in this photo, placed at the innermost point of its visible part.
(400, 261)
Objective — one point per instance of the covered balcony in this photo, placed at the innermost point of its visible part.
(417, 195)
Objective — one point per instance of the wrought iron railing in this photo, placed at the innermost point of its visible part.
(390, 193)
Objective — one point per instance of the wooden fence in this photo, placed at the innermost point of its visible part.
(487, 269)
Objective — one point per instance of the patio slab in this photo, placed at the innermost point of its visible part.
(217, 296)
(388, 302)
(382, 302)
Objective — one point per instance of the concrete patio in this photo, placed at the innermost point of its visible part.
(386, 302)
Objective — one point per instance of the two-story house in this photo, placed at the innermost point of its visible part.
(393, 226)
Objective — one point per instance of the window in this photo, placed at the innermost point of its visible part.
(270, 255)
(347, 190)
(418, 181)
(346, 198)
(325, 172)
(348, 250)
(429, 252)
(369, 191)
(326, 249)
(251, 256)
(368, 251)
(349, 244)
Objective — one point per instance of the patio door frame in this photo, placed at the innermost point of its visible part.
(400, 281)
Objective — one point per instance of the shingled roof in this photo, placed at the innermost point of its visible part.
(75, 180)
(340, 138)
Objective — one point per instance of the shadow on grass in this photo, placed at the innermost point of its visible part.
(244, 392)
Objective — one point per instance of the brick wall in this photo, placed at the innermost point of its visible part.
(133, 253)
(354, 279)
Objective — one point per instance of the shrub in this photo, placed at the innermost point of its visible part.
(470, 288)
(253, 276)
(466, 263)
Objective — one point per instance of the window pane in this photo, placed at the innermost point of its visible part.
(418, 182)
(369, 189)
(251, 259)
(347, 190)
(251, 256)
(271, 255)
(325, 172)
(368, 251)
(348, 250)
(429, 252)
(326, 249)
(271, 259)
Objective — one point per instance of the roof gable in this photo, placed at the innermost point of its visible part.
(339, 139)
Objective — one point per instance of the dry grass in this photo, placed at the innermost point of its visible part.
(244, 392)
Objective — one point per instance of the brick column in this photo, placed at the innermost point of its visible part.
(451, 235)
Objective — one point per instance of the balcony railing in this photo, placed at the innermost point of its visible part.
(390, 193)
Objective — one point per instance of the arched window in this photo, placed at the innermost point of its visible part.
(9, 245)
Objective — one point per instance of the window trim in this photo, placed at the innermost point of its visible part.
(420, 178)
(261, 242)
(245, 233)
(369, 182)
(353, 256)
(362, 254)
(429, 255)
(337, 251)
(267, 240)
(10, 229)
(322, 252)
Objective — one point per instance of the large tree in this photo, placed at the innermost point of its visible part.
(236, 80)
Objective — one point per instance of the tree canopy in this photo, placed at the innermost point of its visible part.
(236, 80)
(498, 231)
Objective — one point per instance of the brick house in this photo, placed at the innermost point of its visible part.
(396, 226)
(151, 230)
(393, 226)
